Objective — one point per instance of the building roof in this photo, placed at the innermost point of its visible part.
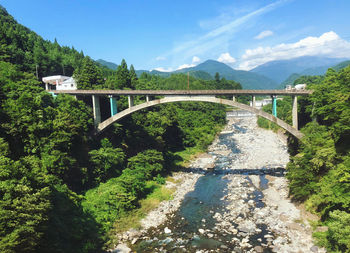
(55, 79)
(69, 80)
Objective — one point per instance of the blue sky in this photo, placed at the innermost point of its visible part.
(168, 35)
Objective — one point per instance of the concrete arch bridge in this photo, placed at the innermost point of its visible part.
(171, 96)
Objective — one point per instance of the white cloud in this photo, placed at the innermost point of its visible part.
(220, 36)
(226, 58)
(164, 69)
(195, 59)
(184, 66)
(328, 44)
(160, 58)
(263, 34)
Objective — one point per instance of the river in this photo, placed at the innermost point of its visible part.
(234, 198)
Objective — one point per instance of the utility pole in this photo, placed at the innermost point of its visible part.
(188, 80)
(36, 69)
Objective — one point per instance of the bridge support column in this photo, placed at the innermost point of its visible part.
(131, 101)
(295, 112)
(274, 105)
(253, 101)
(233, 98)
(147, 98)
(113, 103)
(96, 109)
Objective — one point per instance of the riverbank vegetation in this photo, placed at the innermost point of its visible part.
(62, 188)
(319, 167)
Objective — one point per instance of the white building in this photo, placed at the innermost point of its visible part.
(59, 83)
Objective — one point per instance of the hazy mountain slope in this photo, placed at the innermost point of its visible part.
(107, 64)
(194, 73)
(341, 65)
(312, 72)
(248, 80)
(290, 80)
(281, 70)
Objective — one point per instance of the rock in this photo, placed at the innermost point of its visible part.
(122, 248)
(321, 229)
(201, 231)
(243, 229)
(258, 249)
(134, 241)
(237, 250)
(314, 248)
(210, 235)
(167, 230)
(223, 246)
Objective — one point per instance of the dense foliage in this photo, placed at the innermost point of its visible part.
(62, 187)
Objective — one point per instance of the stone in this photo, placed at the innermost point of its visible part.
(237, 250)
(258, 249)
(167, 230)
(244, 229)
(134, 241)
(121, 248)
(321, 229)
(314, 248)
(201, 230)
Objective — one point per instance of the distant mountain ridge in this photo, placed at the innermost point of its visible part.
(271, 75)
(312, 72)
(110, 65)
(247, 79)
(280, 70)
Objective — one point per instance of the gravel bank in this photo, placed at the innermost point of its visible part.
(258, 217)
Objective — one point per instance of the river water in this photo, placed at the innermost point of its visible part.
(228, 210)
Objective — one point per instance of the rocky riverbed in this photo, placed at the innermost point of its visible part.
(234, 198)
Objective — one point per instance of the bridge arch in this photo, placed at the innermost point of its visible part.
(211, 99)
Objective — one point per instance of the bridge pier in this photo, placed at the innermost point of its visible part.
(274, 105)
(113, 103)
(131, 101)
(233, 98)
(253, 101)
(147, 98)
(96, 109)
(295, 112)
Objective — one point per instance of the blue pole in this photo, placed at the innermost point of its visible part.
(274, 106)
(113, 103)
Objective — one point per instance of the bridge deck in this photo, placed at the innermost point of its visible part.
(184, 92)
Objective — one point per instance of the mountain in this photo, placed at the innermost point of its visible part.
(247, 79)
(194, 73)
(312, 72)
(107, 64)
(209, 68)
(290, 80)
(341, 65)
(310, 65)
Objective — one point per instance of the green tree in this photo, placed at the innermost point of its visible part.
(122, 76)
(107, 161)
(88, 76)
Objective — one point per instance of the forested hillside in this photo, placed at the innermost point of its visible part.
(62, 188)
(319, 168)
